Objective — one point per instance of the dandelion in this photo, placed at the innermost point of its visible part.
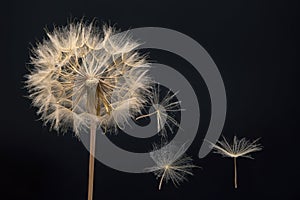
(239, 148)
(171, 164)
(163, 106)
(83, 77)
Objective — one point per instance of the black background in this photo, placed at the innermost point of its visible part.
(254, 44)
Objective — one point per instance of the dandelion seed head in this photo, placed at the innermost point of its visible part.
(81, 74)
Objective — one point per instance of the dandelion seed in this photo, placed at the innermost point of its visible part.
(239, 148)
(83, 77)
(171, 164)
(162, 109)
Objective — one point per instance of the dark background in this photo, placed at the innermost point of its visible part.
(254, 44)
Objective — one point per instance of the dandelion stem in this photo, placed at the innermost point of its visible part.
(235, 173)
(162, 177)
(92, 160)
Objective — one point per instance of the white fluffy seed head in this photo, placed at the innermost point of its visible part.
(81, 74)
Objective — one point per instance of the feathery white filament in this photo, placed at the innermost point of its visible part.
(171, 164)
(239, 148)
(161, 110)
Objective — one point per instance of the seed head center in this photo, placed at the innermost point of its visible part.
(91, 82)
